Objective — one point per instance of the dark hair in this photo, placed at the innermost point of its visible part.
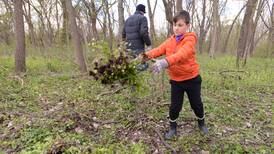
(182, 15)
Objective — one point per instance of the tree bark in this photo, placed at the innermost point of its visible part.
(258, 14)
(57, 17)
(20, 52)
(64, 32)
(169, 5)
(151, 14)
(203, 29)
(109, 23)
(192, 14)
(245, 33)
(28, 18)
(214, 29)
(76, 37)
(121, 17)
(179, 5)
(271, 32)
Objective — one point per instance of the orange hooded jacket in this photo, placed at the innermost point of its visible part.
(179, 55)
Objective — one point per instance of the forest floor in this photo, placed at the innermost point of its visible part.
(54, 109)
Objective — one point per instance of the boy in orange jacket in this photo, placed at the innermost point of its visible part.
(183, 70)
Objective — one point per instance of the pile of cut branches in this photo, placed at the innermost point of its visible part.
(117, 69)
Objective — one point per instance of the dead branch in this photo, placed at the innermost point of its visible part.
(232, 71)
(163, 140)
(111, 92)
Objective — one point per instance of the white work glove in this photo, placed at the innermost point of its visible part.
(159, 65)
(148, 48)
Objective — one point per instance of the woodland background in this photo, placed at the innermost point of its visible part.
(49, 103)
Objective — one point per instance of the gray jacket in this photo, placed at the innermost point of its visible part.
(135, 32)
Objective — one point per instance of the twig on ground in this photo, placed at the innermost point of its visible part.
(97, 121)
(111, 92)
(233, 71)
(163, 141)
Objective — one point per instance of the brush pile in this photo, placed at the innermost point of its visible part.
(117, 69)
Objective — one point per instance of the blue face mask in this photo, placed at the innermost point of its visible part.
(179, 37)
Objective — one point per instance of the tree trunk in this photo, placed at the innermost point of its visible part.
(214, 29)
(104, 26)
(57, 18)
(151, 14)
(64, 31)
(76, 37)
(258, 14)
(8, 21)
(121, 18)
(20, 53)
(230, 30)
(192, 14)
(271, 32)
(93, 17)
(245, 34)
(109, 23)
(179, 5)
(169, 5)
(47, 27)
(202, 31)
(28, 16)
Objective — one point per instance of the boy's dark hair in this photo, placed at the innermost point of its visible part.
(182, 15)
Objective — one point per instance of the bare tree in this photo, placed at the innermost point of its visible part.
(271, 31)
(254, 26)
(8, 4)
(93, 12)
(169, 9)
(245, 34)
(204, 26)
(214, 29)
(127, 7)
(108, 23)
(271, 36)
(64, 29)
(20, 52)
(46, 10)
(41, 24)
(179, 5)
(151, 14)
(121, 17)
(57, 16)
(76, 38)
(192, 13)
(230, 29)
(28, 17)
(6, 23)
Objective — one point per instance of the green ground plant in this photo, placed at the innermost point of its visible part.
(53, 108)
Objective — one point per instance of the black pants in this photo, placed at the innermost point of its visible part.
(192, 88)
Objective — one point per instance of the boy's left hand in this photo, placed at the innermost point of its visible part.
(159, 65)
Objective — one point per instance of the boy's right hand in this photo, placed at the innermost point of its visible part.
(143, 57)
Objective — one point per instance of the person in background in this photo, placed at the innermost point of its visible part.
(135, 33)
(183, 70)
